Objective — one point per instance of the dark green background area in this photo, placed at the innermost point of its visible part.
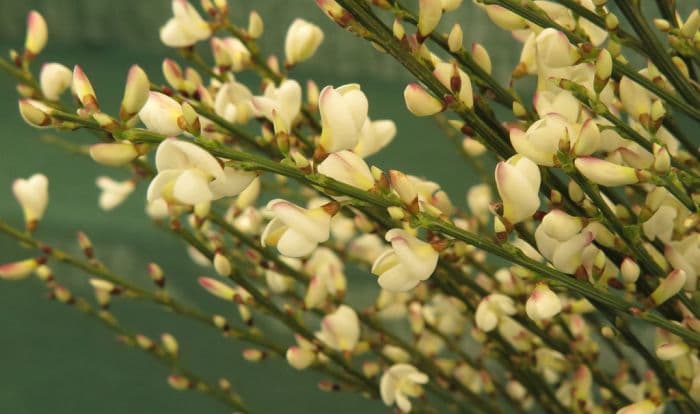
(54, 359)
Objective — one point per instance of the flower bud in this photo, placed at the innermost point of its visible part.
(222, 265)
(37, 34)
(54, 80)
(518, 183)
(403, 186)
(543, 303)
(162, 114)
(253, 355)
(170, 344)
(662, 159)
(113, 154)
(82, 88)
(312, 93)
(303, 38)
(605, 173)
(217, 288)
(662, 24)
(178, 382)
(641, 407)
(603, 65)
(255, 25)
(35, 113)
(18, 270)
(300, 358)
(691, 25)
(429, 14)
(136, 93)
(455, 38)
(420, 102)
(630, 270)
(32, 194)
(671, 351)
(173, 73)
(454, 79)
(348, 168)
(481, 57)
(669, 286)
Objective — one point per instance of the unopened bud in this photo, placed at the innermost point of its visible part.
(429, 14)
(37, 34)
(253, 355)
(35, 113)
(669, 286)
(662, 24)
(611, 22)
(481, 57)
(420, 102)
(82, 88)
(217, 288)
(113, 154)
(170, 344)
(398, 30)
(156, 274)
(691, 25)
(455, 38)
(662, 159)
(135, 93)
(178, 382)
(255, 25)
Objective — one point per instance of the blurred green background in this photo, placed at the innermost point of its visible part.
(54, 359)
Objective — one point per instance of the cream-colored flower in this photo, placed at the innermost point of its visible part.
(294, 230)
(185, 28)
(409, 262)
(343, 114)
(303, 38)
(340, 330)
(32, 194)
(491, 309)
(113, 192)
(187, 174)
(54, 80)
(518, 182)
(401, 382)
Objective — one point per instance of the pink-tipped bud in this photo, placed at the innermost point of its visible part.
(253, 355)
(420, 102)
(671, 350)
(217, 288)
(37, 34)
(18, 270)
(641, 407)
(35, 113)
(543, 303)
(178, 382)
(669, 286)
(662, 159)
(222, 265)
(82, 88)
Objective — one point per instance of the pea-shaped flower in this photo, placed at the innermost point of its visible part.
(185, 28)
(400, 382)
(491, 309)
(340, 330)
(303, 38)
(343, 114)
(409, 262)
(561, 239)
(518, 182)
(33, 195)
(294, 230)
(187, 174)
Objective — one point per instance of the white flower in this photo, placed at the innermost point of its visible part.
(446, 314)
(684, 254)
(367, 247)
(340, 330)
(409, 262)
(230, 53)
(249, 221)
(348, 168)
(456, 80)
(518, 183)
(186, 27)
(162, 114)
(301, 356)
(374, 136)
(232, 102)
(187, 174)
(280, 104)
(303, 38)
(543, 303)
(561, 240)
(276, 281)
(635, 98)
(343, 114)
(491, 309)
(54, 80)
(32, 194)
(295, 231)
(641, 407)
(400, 382)
(113, 192)
(327, 277)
